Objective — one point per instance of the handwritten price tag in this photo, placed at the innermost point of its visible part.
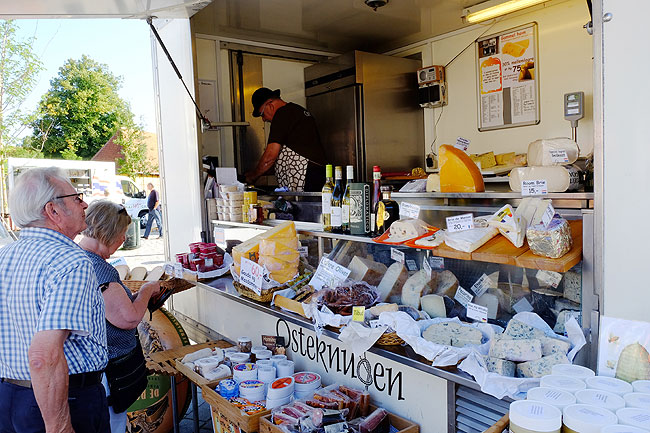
(358, 314)
(329, 273)
(251, 275)
(409, 210)
(548, 215)
(397, 255)
(477, 312)
(559, 156)
(463, 296)
(462, 144)
(459, 223)
(533, 187)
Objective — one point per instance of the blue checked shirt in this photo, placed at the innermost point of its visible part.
(48, 283)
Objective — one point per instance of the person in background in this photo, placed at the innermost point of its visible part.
(293, 147)
(153, 203)
(107, 224)
(52, 319)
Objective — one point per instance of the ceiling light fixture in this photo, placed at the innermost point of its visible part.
(376, 3)
(495, 8)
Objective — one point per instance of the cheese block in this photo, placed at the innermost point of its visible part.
(437, 338)
(404, 229)
(250, 248)
(378, 309)
(458, 173)
(518, 330)
(573, 286)
(486, 160)
(554, 345)
(432, 241)
(553, 241)
(434, 305)
(391, 284)
(516, 350)
(274, 264)
(362, 269)
(466, 336)
(489, 301)
(138, 273)
(541, 367)
(565, 315)
(531, 210)
(633, 363)
(123, 271)
(558, 178)
(271, 247)
(470, 240)
(500, 366)
(284, 275)
(505, 158)
(516, 49)
(521, 159)
(549, 151)
(457, 334)
(418, 285)
(155, 274)
(509, 225)
(446, 284)
(433, 183)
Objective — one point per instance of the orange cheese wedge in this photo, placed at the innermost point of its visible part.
(458, 173)
(285, 232)
(271, 247)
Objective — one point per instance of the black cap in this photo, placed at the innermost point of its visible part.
(260, 96)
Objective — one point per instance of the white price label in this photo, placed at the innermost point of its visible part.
(427, 267)
(482, 285)
(559, 156)
(462, 144)
(463, 296)
(219, 235)
(251, 275)
(303, 250)
(437, 262)
(522, 305)
(397, 255)
(533, 187)
(548, 215)
(178, 270)
(477, 312)
(549, 277)
(411, 265)
(329, 273)
(168, 268)
(326, 201)
(409, 210)
(459, 223)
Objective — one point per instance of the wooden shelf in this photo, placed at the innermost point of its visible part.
(499, 250)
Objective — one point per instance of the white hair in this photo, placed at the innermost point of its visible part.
(32, 190)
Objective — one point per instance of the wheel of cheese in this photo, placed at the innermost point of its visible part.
(152, 412)
(558, 178)
(458, 173)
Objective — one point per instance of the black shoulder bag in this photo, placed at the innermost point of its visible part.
(127, 378)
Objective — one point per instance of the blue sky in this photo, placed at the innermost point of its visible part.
(123, 45)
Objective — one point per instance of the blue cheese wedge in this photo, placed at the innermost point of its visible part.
(554, 345)
(573, 286)
(516, 350)
(563, 317)
(457, 335)
(541, 367)
(500, 366)
(518, 330)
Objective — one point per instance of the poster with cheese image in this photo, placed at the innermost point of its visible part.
(507, 84)
(624, 349)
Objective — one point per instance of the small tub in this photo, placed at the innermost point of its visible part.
(637, 399)
(620, 428)
(641, 386)
(604, 399)
(611, 384)
(575, 371)
(635, 417)
(527, 416)
(554, 397)
(565, 383)
(583, 418)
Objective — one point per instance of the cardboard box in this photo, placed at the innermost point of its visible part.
(228, 418)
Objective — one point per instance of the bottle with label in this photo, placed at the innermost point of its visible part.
(376, 198)
(337, 201)
(346, 200)
(387, 211)
(326, 195)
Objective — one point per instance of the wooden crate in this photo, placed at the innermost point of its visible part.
(401, 424)
(192, 375)
(500, 425)
(228, 418)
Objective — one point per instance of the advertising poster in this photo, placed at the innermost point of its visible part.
(507, 79)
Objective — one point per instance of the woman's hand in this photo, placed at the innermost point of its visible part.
(154, 286)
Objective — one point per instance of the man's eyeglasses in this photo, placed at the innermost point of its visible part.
(263, 107)
(78, 195)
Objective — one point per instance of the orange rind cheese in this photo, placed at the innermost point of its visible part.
(458, 173)
(516, 49)
(285, 233)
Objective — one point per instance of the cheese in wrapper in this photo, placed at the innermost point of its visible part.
(405, 229)
(510, 225)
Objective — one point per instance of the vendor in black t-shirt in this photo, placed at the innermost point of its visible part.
(294, 145)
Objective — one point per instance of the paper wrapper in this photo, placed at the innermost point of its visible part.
(359, 338)
(323, 316)
(514, 387)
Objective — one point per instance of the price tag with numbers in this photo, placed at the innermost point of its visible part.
(477, 312)
(303, 250)
(549, 277)
(533, 187)
(409, 210)
(178, 270)
(358, 313)
(460, 223)
(482, 285)
(219, 235)
(462, 144)
(411, 265)
(329, 273)
(251, 275)
(559, 156)
(463, 296)
(548, 215)
(397, 255)
(437, 262)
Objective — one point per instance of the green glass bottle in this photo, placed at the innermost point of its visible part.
(326, 197)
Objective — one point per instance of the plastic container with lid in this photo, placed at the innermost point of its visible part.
(637, 399)
(611, 384)
(281, 388)
(641, 386)
(244, 344)
(528, 416)
(263, 354)
(635, 417)
(583, 418)
(565, 383)
(237, 357)
(575, 371)
(597, 397)
(620, 428)
(554, 397)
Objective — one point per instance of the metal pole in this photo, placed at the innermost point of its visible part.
(174, 404)
(195, 407)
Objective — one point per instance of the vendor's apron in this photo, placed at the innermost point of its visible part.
(291, 169)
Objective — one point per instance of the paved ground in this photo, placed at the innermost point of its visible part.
(205, 421)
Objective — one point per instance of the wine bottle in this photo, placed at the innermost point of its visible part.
(326, 194)
(387, 211)
(337, 201)
(346, 199)
(376, 198)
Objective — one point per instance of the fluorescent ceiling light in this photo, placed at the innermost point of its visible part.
(494, 8)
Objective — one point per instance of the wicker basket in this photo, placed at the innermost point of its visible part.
(133, 285)
(305, 273)
(389, 339)
(177, 284)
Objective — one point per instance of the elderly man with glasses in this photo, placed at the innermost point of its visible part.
(294, 146)
(52, 318)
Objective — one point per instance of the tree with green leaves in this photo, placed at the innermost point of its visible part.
(135, 162)
(81, 111)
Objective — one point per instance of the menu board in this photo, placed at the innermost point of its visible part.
(508, 79)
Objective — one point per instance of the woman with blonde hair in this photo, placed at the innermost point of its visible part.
(126, 375)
